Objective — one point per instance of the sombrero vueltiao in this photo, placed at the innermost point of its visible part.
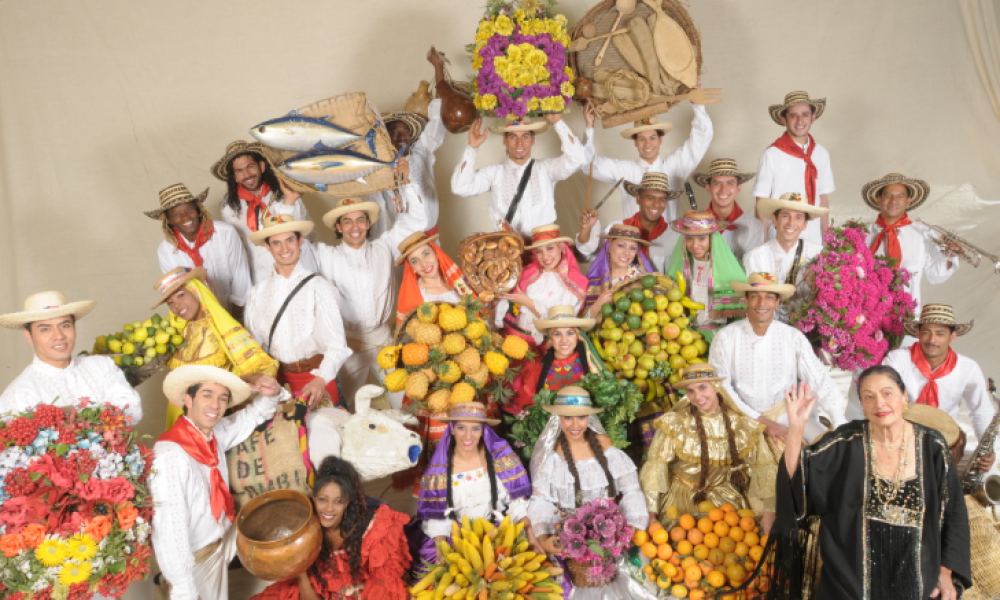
(414, 122)
(790, 201)
(919, 190)
(516, 125)
(723, 167)
(777, 111)
(221, 167)
(545, 235)
(468, 411)
(650, 124)
(652, 181)
(279, 224)
(624, 232)
(564, 316)
(764, 282)
(173, 280)
(349, 205)
(175, 195)
(572, 401)
(698, 222)
(413, 242)
(177, 382)
(937, 314)
(46, 305)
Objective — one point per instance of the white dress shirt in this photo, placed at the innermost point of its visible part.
(94, 377)
(760, 369)
(259, 259)
(749, 234)
(921, 257)
(678, 165)
(224, 258)
(538, 205)
(660, 249)
(780, 173)
(470, 497)
(310, 325)
(966, 382)
(546, 292)
(772, 258)
(181, 490)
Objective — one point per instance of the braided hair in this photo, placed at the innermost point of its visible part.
(357, 515)
(550, 355)
(267, 176)
(737, 477)
(490, 470)
(595, 447)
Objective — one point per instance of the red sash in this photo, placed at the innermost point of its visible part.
(256, 209)
(649, 236)
(929, 395)
(891, 237)
(787, 145)
(736, 214)
(204, 234)
(188, 437)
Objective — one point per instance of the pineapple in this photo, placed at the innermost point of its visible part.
(515, 347)
(425, 333)
(415, 354)
(468, 360)
(450, 373)
(475, 329)
(427, 312)
(411, 326)
(485, 343)
(416, 386)
(480, 376)
(438, 401)
(396, 381)
(454, 343)
(429, 373)
(497, 363)
(462, 392)
(388, 357)
(452, 319)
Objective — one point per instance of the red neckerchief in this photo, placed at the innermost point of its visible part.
(891, 237)
(204, 234)
(736, 214)
(255, 205)
(649, 236)
(787, 145)
(187, 436)
(929, 395)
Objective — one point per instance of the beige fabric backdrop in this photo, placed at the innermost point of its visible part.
(104, 103)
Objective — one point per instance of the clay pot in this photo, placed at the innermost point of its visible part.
(457, 109)
(584, 88)
(278, 535)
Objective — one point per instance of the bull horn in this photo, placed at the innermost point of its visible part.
(363, 399)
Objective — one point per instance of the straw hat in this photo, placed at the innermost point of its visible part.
(516, 125)
(698, 222)
(650, 124)
(778, 110)
(414, 122)
(411, 243)
(173, 280)
(564, 316)
(468, 411)
(279, 224)
(791, 201)
(349, 205)
(723, 167)
(625, 232)
(764, 282)
(547, 234)
(935, 418)
(46, 305)
(652, 181)
(175, 195)
(919, 190)
(572, 401)
(221, 167)
(177, 382)
(937, 314)
(698, 373)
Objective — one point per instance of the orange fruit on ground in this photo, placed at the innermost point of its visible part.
(677, 534)
(675, 559)
(727, 507)
(730, 559)
(716, 556)
(692, 584)
(701, 551)
(716, 579)
(705, 568)
(763, 583)
(669, 569)
(742, 549)
(680, 591)
(752, 539)
(763, 540)
(727, 544)
(737, 534)
(697, 594)
(684, 547)
(704, 525)
(721, 529)
(692, 573)
(756, 552)
(736, 572)
(660, 536)
(687, 522)
(688, 561)
(662, 582)
(648, 569)
(654, 526)
(653, 576)
(748, 524)
(716, 514)
(640, 537)
(695, 536)
(732, 519)
(648, 550)
(678, 576)
(664, 551)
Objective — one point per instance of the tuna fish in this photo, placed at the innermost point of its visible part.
(298, 133)
(325, 166)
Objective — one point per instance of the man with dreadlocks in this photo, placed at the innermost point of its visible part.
(706, 449)
(195, 240)
(254, 192)
(364, 553)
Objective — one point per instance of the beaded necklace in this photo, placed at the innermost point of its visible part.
(886, 490)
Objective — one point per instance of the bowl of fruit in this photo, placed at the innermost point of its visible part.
(142, 348)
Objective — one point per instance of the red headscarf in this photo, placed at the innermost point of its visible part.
(736, 214)
(569, 272)
(410, 296)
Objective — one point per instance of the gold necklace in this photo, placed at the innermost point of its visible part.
(887, 491)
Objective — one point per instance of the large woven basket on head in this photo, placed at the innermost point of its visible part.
(491, 262)
(351, 112)
(603, 16)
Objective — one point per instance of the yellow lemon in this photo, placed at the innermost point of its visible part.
(161, 349)
(136, 324)
(139, 361)
(140, 335)
(115, 346)
(149, 342)
(150, 352)
(128, 348)
(176, 340)
(147, 323)
(118, 360)
(162, 337)
(127, 327)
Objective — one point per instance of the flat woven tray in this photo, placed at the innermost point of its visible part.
(491, 262)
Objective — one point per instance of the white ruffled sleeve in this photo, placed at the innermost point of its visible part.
(633, 504)
(168, 487)
(543, 508)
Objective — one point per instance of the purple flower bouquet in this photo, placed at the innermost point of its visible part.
(592, 539)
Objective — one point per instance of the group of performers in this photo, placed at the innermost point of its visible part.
(266, 305)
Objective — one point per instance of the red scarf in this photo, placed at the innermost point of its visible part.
(733, 216)
(256, 209)
(787, 145)
(891, 237)
(929, 395)
(649, 236)
(204, 234)
(188, 437)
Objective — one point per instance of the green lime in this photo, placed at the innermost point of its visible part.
(636, 295)
(156, 319)
(648, 281)
(648, 304)
(633, 321)
(607, 309)
(618, 317)
(126, 360)
(623, 304)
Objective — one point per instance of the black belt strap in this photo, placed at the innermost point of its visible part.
(520, 192)
(281, 310)
(795, 265)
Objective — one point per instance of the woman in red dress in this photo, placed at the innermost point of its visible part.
(365, 553)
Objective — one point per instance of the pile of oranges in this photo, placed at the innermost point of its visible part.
(699, 555)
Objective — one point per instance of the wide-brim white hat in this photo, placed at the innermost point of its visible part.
(177, 382)
(650, 124)
(277, 225)
(564, 316)
(46, 305)
(791, 201)
(572, 401)
(349, 205)
(516, 125)
(764, 282)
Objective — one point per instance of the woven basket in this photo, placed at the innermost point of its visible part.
(136, 375)
(351, 112)
(580, 578)
(491, 262)
(627, 285)
(985, 542)
(603, 16)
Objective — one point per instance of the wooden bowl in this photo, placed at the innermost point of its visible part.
(278, 535)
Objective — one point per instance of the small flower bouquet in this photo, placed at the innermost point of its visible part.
(520, 60)
(857, 303)
(75, 510)
(592, 539)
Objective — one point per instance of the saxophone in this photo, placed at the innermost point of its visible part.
(985, 489)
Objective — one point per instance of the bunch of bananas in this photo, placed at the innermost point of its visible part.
(488, 562)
